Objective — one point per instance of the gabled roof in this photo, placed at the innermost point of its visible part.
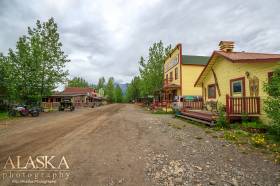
(239, 57)
(236, 57)
(78, 90)
(194, 60)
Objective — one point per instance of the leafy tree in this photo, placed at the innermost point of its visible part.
(37, 64)
(134, 89)
(78, 82)
(101, 83)
(151, 71)
(2, 75)
(118, 94)
(272, 103)
(110, 89)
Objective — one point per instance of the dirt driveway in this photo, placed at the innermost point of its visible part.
(122, 144)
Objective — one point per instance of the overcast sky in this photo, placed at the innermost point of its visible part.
(106, 38)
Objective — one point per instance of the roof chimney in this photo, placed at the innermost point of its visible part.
(226, 46)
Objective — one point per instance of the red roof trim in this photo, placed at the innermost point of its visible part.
(269, 58)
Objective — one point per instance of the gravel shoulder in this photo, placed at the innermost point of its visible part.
(122, 144)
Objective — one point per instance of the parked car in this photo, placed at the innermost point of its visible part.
(66, 104)
(177, 103)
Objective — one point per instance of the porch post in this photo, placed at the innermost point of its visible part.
(227, 108)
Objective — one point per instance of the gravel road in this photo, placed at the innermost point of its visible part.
(122, 144)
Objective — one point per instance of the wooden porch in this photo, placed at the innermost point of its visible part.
(236, 107)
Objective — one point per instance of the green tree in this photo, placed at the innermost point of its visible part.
(37, 64)
(272, 103)
(151, 70)
(110, 89)
(133, 90)
(118, 94)
(78, 82)
(2, 75)
(101, 83)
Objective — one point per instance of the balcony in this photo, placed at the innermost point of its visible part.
(169, 84)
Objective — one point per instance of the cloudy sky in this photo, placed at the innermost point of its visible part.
(106, 38)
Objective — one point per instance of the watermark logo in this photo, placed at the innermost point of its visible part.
(39, 169)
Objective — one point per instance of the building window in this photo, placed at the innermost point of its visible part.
(166, 77)
(212, 91)
(237, 87)
(171, 76)
(176, 73)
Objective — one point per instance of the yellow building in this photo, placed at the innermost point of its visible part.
(236, 80)
(181, 72)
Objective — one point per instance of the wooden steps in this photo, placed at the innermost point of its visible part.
(205, 117)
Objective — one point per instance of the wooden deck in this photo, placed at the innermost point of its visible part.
(202, 116)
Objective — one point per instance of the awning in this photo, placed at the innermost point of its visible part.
(171, 86)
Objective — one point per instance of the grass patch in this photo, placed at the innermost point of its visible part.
(162, 112)
(230, 136)
(3, 116)
(253, 124)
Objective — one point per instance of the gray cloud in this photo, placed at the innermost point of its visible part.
(107, 38)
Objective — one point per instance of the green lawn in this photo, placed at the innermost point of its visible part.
(3, 116)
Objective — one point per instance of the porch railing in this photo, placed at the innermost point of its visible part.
(242, 105)
(193, 104)
(164, 103)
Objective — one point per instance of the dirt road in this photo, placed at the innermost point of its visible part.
(122, 144)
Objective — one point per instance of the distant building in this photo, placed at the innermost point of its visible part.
(81, 97)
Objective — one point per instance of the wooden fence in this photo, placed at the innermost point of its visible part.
(193, 104)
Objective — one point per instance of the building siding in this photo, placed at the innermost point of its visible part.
(190, 74)
(226, 70)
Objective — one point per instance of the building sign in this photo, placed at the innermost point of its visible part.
(171, 64)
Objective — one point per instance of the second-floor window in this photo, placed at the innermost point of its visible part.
(176, 73)
(166, 77)
(171, 76)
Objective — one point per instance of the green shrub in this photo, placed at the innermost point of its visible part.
(272, 103)
(222, 120)
(253, 124)
(4, 116)
(244, 117)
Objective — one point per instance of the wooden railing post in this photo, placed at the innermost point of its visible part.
(227, 105)
(258, 105)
